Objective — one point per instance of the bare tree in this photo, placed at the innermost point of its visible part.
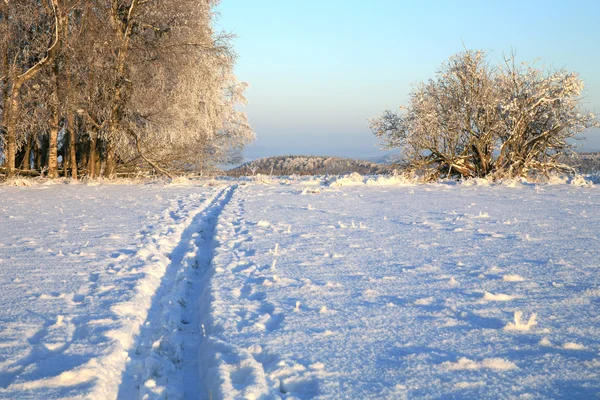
(476, 120)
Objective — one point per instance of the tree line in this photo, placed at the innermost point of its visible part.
(475, 119)
(93, 85)
(308, 165)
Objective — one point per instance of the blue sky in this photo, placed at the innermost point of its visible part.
(318, 69)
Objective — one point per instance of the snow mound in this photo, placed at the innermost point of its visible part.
(390, 180)
(346, 180)
(476, 182)
(581, 181)
(355, 179)
(555, 179)
(513, 278)
(464, 364)
(573, 346)
(468, 385)
(19, 182)
(498, 297)
(181, 180)
(427, 301)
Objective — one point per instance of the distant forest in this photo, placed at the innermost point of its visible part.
(308, 165)
(587, 163)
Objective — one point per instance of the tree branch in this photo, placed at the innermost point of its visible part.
(138, 146)
(31, 72)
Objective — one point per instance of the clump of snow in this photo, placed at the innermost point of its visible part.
(545, 342)
(495, 363)
(476, 182)
(556, 179)
(427, 301)
(261, 179)
(391, 180)
(263, 224)
(573, 346)
(346, 180)
(181, 180)
(317, 366)
(592, 293)
(513, 278)
(518, 325)
(309, 190)
(498, 297)
(19, 181)
(468, 385)
(595, 363)
(580, 180)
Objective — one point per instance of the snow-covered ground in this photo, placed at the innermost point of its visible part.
(300, 289)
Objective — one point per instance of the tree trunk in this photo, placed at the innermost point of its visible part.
(111, 160)
(26, 161)
(54, 127)
(10, 117)
(66, 155)
(70, 116)
(91, 165)
(154, 165)
(53, 146)
(12, 111)
(37, 157)
(44, 153)
(72, 145)
(5, 73)
(123, 30)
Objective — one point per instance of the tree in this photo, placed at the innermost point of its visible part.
(475, 120)
(28, 27)
(107, 83)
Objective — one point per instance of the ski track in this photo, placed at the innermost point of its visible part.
(135, 296)
(163, 363)
(240, 307)
(229, 371)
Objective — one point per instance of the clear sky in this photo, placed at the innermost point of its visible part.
(318, 69)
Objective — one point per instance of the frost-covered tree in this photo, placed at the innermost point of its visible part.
(108, 83)
(475, 120)
(31, 32)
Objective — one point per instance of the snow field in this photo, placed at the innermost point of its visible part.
(348, 288)
(416, 291)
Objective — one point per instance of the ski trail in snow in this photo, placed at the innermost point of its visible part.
(164, 362)
(229, 371)
(154, 270)
(240, 305)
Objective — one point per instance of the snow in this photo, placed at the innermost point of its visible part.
(358, 287)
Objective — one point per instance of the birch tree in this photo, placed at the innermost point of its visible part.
(28, 26)
(108, 83)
